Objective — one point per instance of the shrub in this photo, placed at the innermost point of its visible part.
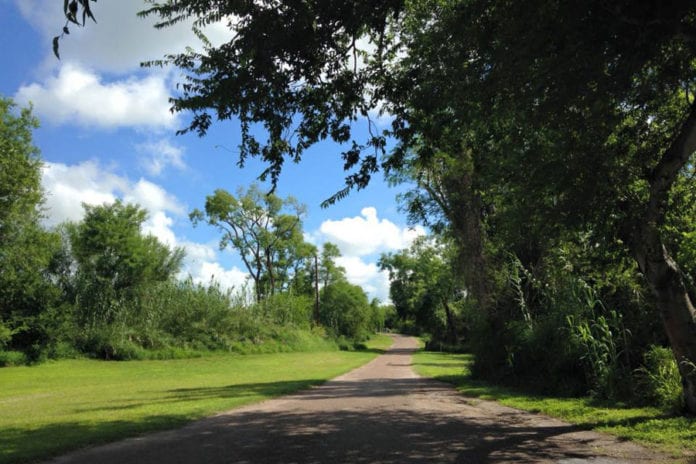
(12, 358)
(658, 380)
(345, 311)
(286, 309)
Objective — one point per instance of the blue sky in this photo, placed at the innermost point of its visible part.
(107, 132)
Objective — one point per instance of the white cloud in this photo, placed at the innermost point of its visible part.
(152, 197)
(366, 275)
(68, 187)
(160, 225)
(201, 265)
(79, 96)
(199, 252)
(118, 43)
(209, 271)
(367, 234)
(162, 154)
(360, 236)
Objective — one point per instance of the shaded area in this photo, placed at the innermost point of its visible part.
(380, 413)
(250, 391)
(349, 436)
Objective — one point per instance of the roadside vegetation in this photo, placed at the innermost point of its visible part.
(102, 288)
(62, 405)
(651, 426)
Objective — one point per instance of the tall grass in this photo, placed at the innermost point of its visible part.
(182, 318)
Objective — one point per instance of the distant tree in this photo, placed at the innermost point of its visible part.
(329, 271)
(255, 224)
(115, 260)
(423, 285)
(345, 310)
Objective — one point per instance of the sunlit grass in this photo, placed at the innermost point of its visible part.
(649, 426)
(54, 407)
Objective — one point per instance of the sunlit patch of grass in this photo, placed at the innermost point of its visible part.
(58, 406)
(379, 342)
(650, 426)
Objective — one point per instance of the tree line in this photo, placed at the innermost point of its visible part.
(101, 287)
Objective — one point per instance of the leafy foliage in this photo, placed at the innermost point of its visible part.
(268, 239)
(26, 250)
(424, 288)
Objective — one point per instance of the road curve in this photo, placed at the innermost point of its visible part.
(379, 413)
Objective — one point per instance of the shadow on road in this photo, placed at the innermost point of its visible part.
(399, 436)
(392, 435)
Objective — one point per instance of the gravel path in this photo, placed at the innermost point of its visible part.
(380, 413)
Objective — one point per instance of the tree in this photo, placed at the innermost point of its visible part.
(550, 92)
(26, 250)
(329, 271)
(20, 169)
(254, 224)
(115, 260)
(345, 310)
(296, 68)
(424, 286)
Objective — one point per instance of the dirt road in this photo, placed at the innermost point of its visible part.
(379, 413)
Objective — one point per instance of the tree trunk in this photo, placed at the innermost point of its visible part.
(316, 289)
(466, 220)
(675, 306)
(661, 271)
(451, 327)
(452, 188)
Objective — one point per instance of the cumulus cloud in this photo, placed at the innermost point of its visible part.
(367, 275)
(207, 272)
(367, 234)
(121, 40)
(161, 154)
(67, 187)
(152, 197)
(360, 236)
(202, 266)
(79, 96)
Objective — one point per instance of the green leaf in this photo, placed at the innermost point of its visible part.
(55, 46)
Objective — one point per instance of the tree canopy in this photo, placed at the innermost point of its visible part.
(577, 115)
(265, 229)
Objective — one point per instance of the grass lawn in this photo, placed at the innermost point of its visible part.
(51, 408)
(649, 426)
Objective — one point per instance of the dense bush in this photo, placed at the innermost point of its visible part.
(658, 380)
(345, 311)
(567, 326)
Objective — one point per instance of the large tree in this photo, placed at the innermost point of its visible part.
(588, 103)
(26, 249)
(115, 260)
(265, 229)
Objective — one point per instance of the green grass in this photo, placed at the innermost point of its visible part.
(649, 426)
(51, 408)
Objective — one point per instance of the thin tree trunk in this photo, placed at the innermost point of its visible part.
(451, 328)
(660, 270)
(675, 306)
(316, 288)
